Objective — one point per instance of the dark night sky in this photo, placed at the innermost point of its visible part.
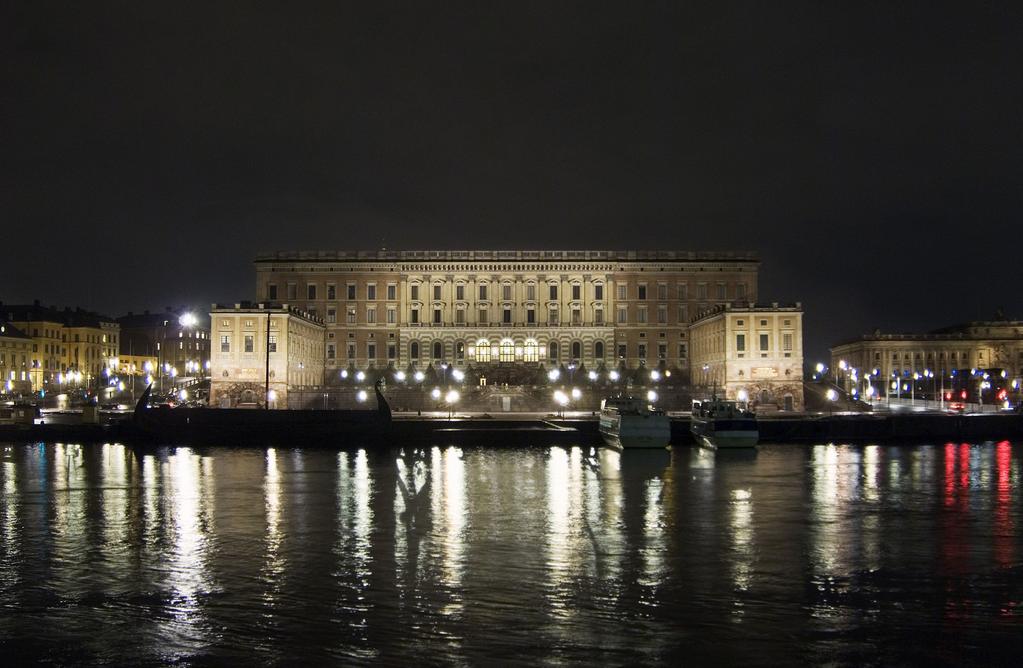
(871, 152)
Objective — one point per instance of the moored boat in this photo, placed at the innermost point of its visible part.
(717, 423)
(630, 422)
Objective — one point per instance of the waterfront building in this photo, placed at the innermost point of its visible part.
(246, 336)
(750, 352)
(65, 343)
(506, 313)
(177, 339)
(15, 359)
(991, 345)
(90, 342)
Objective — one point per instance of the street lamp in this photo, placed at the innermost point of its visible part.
(561, 399)
(832, 396)
(451, 398)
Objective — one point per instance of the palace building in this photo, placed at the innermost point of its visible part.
(506, 311)
(994, 344)
(751, 353)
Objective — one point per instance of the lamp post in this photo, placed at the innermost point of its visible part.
(451, 398)
(832, 396)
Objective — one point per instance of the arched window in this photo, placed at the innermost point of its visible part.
(438, 350)
(598, 350)
(413, 350)
(507, 350)
(483, 350)
(553, 351)
(577, 350)
(531, 352)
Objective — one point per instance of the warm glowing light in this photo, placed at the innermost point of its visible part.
(272, 396)
(655, 376)
(183, 395)
(553, 374)
(187, 320)
(592, 375)
(651, 396)
(576, 393)
(832, 395)
(435, 393)
(360, 376)
(742, 395)
(842, 365)
(561, 398)
(451, 397)
(399, 376)
(613, 375)
(361, 396)
(458, 375)
(820, 367)
(419, 376)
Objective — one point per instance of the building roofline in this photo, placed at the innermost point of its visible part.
(9, 331)
(263, 307)
(748, 307)
(506, 256)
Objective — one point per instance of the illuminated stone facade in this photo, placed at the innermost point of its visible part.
(65, 342)
(750, 352)
(15, 360)
(502, 310)
(238, 360)
(994, 344)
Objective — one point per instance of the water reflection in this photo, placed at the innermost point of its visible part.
(472, 555)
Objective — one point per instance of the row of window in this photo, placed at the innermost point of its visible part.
(765, 344)
(483, 290)
(642, 315)
(484, 351)
(248, 343)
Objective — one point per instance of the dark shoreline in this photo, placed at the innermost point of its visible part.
(863, 428)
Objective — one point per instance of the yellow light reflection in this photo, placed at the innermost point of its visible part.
(741, 530)
(274, 563)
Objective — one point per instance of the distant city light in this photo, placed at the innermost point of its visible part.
(419, 376)
(561, 398)
(451, 397)
(435, 393)
(360, 376)
(399, 376)
(553, 374)
(361, 396)
(187, 320)
(651, 396)
(576, 393)
(458, 375)
(344, 373)
(654, 375)
(592, 375)
(613, 375)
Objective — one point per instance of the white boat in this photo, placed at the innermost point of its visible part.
(630, 422)
(717, 423)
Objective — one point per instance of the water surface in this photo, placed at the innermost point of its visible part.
(850, 555)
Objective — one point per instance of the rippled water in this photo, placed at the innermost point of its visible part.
(839, 554)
